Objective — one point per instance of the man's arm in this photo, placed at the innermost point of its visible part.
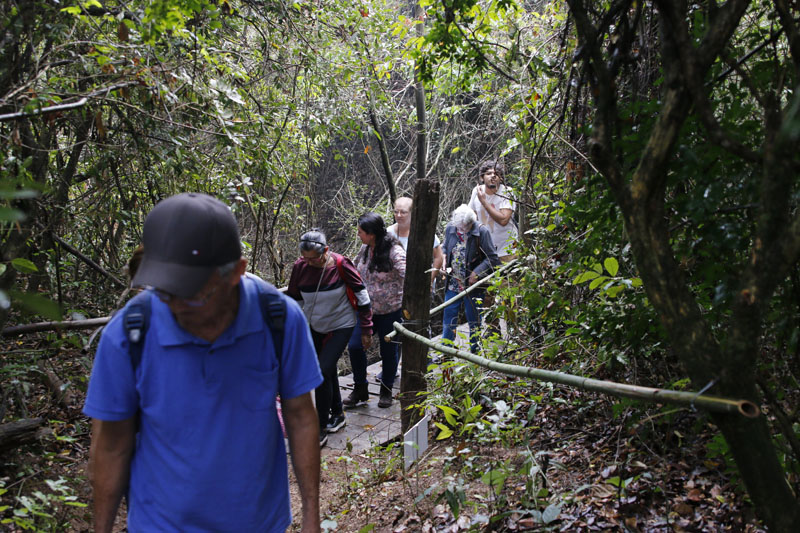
(501, 216)
(302, 427)
(109, 467)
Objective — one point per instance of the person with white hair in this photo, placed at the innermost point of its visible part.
(469, 255)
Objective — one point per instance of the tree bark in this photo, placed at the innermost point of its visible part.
(417, 296)
(25, 431)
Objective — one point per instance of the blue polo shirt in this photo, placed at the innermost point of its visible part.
(210, 453)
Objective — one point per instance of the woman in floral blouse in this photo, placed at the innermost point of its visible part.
(382, 265)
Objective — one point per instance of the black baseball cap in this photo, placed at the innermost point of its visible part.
(186, 237)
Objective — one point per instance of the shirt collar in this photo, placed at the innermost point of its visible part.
(248, 320)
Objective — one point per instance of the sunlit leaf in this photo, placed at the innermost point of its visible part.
(584, 277)
(612, 266)
(445, 432)
(597, 282)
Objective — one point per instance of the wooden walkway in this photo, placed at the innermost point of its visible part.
(369, 425)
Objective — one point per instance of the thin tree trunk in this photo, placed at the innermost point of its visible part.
(417, 296)
(387, 166)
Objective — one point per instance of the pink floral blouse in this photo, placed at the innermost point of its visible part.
(385, 288)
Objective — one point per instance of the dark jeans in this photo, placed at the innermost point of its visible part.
(390, 351)
(450, 319)
(329, 348)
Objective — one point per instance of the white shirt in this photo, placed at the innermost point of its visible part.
(404, 240)
(502, 236)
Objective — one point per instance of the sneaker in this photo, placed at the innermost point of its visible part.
(323, 438)
(336, 422)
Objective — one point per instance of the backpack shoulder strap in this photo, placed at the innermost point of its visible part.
(339, 260)
(135, 320)
(351, 295)
(273, 310)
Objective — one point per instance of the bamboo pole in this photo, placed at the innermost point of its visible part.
(692, 399)
(462, 294)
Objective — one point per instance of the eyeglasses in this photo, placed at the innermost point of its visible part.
(401, 211)
(314, 260)
(167, 297)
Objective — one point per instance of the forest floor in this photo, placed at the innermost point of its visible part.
(573, 469)
(560, 460)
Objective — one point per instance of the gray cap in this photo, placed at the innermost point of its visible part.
(186, 237)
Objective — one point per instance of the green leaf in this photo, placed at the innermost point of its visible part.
(24, 265)
(494, 478)
(367, 528)
(10, 214)
(21, 194)
(597, 282)
(612, 266)
(584, 277)
(445, 432)
(38, 305)
(76, 504)
(450, 414)
(472, 413)
(612, 292)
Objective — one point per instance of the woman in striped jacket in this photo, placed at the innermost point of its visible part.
(320, 281)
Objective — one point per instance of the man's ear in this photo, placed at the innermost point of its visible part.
(238, 271)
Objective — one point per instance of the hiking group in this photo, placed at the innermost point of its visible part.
(186, 380)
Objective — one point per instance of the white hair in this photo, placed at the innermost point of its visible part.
(464, 216)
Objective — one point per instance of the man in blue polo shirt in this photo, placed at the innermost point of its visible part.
(190, 433)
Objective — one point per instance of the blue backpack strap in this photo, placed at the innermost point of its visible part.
(135, 320)
(273, 310)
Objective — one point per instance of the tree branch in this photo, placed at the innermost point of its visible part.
(88, 261)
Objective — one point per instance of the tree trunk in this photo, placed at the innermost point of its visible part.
(724, 363)
(417, 296)
(385, 163)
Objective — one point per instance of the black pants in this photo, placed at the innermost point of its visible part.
(330, 347)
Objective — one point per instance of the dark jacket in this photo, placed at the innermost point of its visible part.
(481, 255)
